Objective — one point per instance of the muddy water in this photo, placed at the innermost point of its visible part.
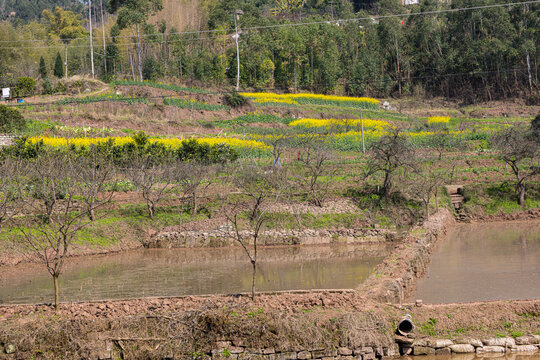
(510, 356)
(174, 272)
(479, 262)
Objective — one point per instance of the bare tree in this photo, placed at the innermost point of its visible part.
(425, 183)
(389, 154)
(154, 178)
(277, 143)
(520, 151)
(194, 178)
(315, 164)
(93, 170)
(49, 237)
(246, 219)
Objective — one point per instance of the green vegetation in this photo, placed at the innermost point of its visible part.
(11, 120)
(193, 104)
(160, 86)
(101, 98)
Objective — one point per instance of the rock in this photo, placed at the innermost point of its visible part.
(343, 351)
(323, 353)
(419, 342)
(462, 348)
(405, 340)
(526, 340)
(220, 345)
(245, 356)
(369, 356)
(418, 303)
(10, 349)
(238, 342)
(525, 348)
(490, 349)
(505, 341)
(393, 350)
(283, 356)
(471, 341)
(304, 355)
(443, 351)
(268, 351)
(440, 343)
(423, 350)
(236, 349)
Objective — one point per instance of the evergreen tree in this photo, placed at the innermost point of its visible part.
(42, 68)
(58, 66)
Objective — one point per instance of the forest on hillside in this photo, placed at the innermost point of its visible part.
(27, 10)
(358, 48)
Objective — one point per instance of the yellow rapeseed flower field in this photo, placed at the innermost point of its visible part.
(317, 99)
(438, 120)
(59, 142)
(314, 123)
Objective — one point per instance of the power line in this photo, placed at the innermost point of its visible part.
(338, 21)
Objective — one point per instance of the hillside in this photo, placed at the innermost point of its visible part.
(28, 10)
(182, 14)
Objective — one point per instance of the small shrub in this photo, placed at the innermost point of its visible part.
(25, 86)
(234, 99)
(60, 88)
(11, 120)
(48, 88)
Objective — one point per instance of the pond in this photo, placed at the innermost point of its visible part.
(174, 272)
(481, 262)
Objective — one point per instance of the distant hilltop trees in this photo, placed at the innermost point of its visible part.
(28, 10)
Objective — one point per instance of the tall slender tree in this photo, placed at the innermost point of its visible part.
(42, 68)
(58, 66)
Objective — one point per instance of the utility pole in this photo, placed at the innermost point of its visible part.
(65, 61)
(237, 14)
(91, 42)
(104, 44)
(362, 127)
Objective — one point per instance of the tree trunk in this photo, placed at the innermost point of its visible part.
(91, 213)
(529, 71)
(521, 194)
(139, 54)
(254, 266)
(387, 185)
(131, 65)
(56, 296)
(194, 202)
(151, 211)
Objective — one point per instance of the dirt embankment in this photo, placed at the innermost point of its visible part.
(395, 278)
(532, 214)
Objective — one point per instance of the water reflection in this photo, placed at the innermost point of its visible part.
(479, 262)
(161, 272)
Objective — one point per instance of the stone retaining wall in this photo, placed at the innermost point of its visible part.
(426, 346)
(237, 350)
(221, 237)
